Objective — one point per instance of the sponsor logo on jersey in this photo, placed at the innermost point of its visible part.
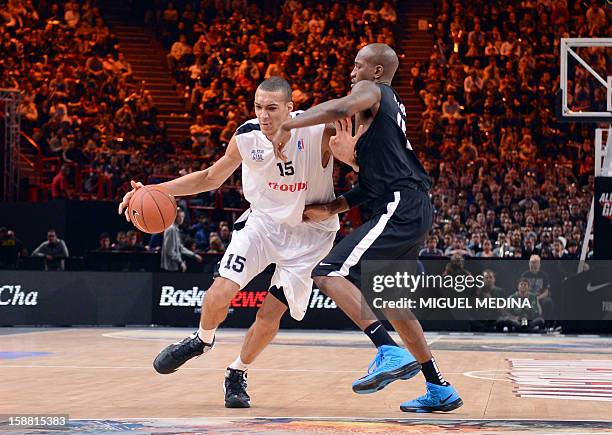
(300, 144)
(13, 295)
(257, 155)
(288, 187)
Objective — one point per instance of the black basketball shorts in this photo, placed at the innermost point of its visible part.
(396, 232)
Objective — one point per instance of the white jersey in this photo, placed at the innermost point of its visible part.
(278, 189)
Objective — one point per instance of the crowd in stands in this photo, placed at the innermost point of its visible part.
(219, 51)
(80, 102)
(509, 181)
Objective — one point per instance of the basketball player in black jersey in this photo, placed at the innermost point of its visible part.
(396, 186)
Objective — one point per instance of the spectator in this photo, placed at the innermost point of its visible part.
(104, 243)
(53, 250)
(490, 284)
(558, 252)
(487, 250)
(121, 241)
(200, 133)
(528, 318)
(172, 251)
(431, 249)
(133, 244)
(458, 248)
(388, 14)
(450, 108)
(155, 242)
(529, 248)
(456, 267)
(216, 245)
(11, 249)
(539, 283)
(179, 50)
(225, 235)
(485, 320)
(572, 251)
(59, 185)
(596, 19)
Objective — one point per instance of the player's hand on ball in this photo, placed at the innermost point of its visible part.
(126, 198)
(316, 213)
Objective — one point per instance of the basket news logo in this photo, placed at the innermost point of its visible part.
(13, 295)
(173, 297)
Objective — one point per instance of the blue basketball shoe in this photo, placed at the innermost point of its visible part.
(390, 364)
(437, 398)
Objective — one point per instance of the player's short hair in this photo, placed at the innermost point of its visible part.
(277, 84)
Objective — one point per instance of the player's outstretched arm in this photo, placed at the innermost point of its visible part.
(364, 96)
(201, 181)
(320, 212)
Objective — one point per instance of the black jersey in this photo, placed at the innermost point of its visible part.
(386, 160)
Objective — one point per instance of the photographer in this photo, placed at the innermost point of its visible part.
(526, 319)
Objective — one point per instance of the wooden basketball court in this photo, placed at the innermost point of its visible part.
(103, 379)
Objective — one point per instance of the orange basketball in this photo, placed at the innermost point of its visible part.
(152, 209)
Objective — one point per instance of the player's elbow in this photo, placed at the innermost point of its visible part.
(212, 183)
(340, 112)
(208, 181)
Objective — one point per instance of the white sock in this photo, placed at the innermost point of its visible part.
(206, 335)
(239, 365)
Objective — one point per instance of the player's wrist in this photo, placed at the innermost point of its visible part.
(338, 205)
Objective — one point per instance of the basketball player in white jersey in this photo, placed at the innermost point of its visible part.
(272, 231)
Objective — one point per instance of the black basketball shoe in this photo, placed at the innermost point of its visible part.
(235, 387)
(177, 354)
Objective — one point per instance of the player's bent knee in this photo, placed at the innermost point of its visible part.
(269, 319)
(221, 292)
(323, 282)
(274, 307)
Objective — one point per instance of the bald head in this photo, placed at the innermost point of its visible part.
(379, 55)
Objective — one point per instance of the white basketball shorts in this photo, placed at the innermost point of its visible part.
(295, 251)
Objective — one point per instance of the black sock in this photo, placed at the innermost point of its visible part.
(379, 335)
(432, 373)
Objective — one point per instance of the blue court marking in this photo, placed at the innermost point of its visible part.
(17, 355)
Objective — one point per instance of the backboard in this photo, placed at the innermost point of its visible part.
(582, 75)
